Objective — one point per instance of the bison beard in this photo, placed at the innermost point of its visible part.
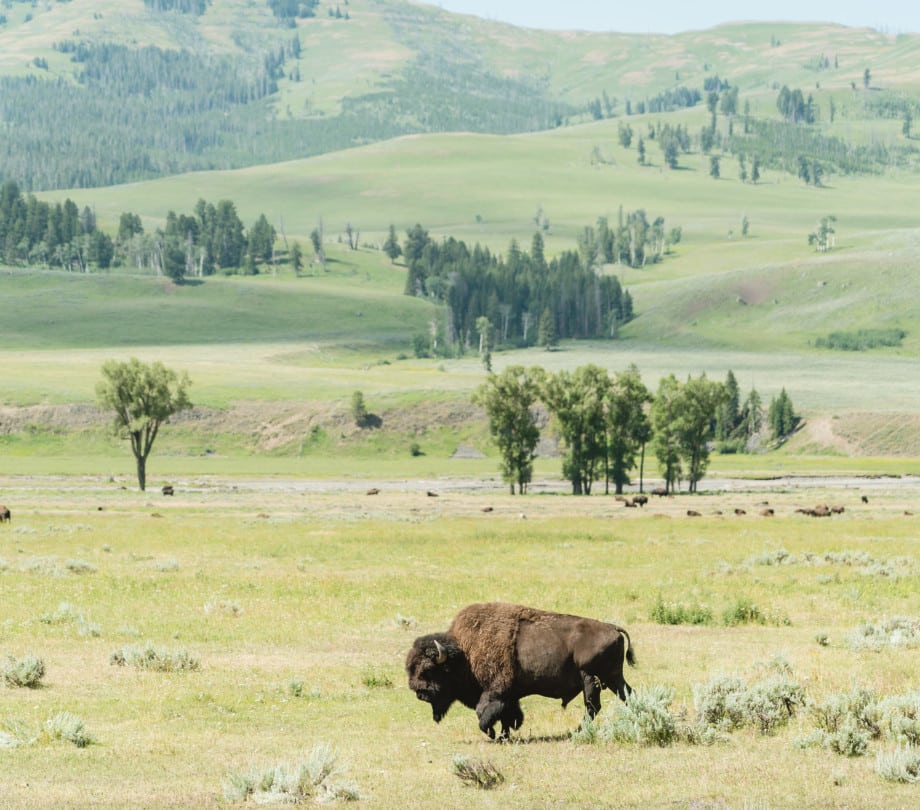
(494, 654)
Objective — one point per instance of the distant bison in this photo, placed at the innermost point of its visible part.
(168, 489)
(660, 491)
(496, 653)
(5, 516)
(640, 500)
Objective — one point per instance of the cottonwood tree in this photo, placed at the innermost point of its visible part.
(578, 400)
(627, 425)
(665, 443)
(510, 400)
(143, 397)
(698, 402)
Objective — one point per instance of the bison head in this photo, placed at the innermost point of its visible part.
(438, 672)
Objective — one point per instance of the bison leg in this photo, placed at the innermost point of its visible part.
(512, 718)
(592, 692)
(490, 709)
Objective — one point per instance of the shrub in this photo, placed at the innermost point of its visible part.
(23, 672)
(846, 723)
(901, 765)
(373, 679)
(676, 613)
(895, 632)
(645, 718)
(316, 777)
(744, 611)
(728, 703)
(771, 704)
(901, 717)
(719, 703)
(154, 660)
(67, 727)
(476, 772)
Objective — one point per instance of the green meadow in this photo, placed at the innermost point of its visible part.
(286, 612)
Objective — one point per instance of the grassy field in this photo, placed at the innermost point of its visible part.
(299, 604)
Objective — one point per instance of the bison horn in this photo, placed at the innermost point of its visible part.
(442, 653)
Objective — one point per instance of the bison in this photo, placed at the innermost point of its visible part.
(5, 516)
(494, 654)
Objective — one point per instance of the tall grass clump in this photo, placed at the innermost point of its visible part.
(478, 773)
(316, 777)
(677, 613)
(23, 672)
(155, 660)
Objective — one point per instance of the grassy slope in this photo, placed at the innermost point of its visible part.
(754, 305)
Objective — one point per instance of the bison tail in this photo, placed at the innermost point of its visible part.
(630, 653)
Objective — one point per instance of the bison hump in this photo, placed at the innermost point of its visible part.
(487, 633)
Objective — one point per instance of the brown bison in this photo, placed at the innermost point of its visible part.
(5, 516)
(495, 653)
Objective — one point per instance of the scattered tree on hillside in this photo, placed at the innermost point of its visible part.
(391, 246)
(359, 409)
(728, 414)
(143, 397)
(510, 400)
(824, 237)
(262, 237)
(296, 258)
(316, 239)
(781, 416)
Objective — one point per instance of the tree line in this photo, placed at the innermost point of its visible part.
(209, 239)
(606, 423)
(523, 297)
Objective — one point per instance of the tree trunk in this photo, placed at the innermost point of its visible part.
(142, 472)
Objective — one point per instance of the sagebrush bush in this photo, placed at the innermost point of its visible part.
(729, 703)
(23, 672)
(67, 727)
(846, 723)
(645, 718)
(720, 703)
(900, 716)
(900, 765)
(898, 631)
(316, 777)
(477, 772)
(155, 660)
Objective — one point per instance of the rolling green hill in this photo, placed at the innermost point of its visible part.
(236, 86)
(741, 289)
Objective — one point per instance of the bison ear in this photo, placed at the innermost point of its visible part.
(442, 652)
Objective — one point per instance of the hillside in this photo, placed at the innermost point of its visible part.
(230, 84)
